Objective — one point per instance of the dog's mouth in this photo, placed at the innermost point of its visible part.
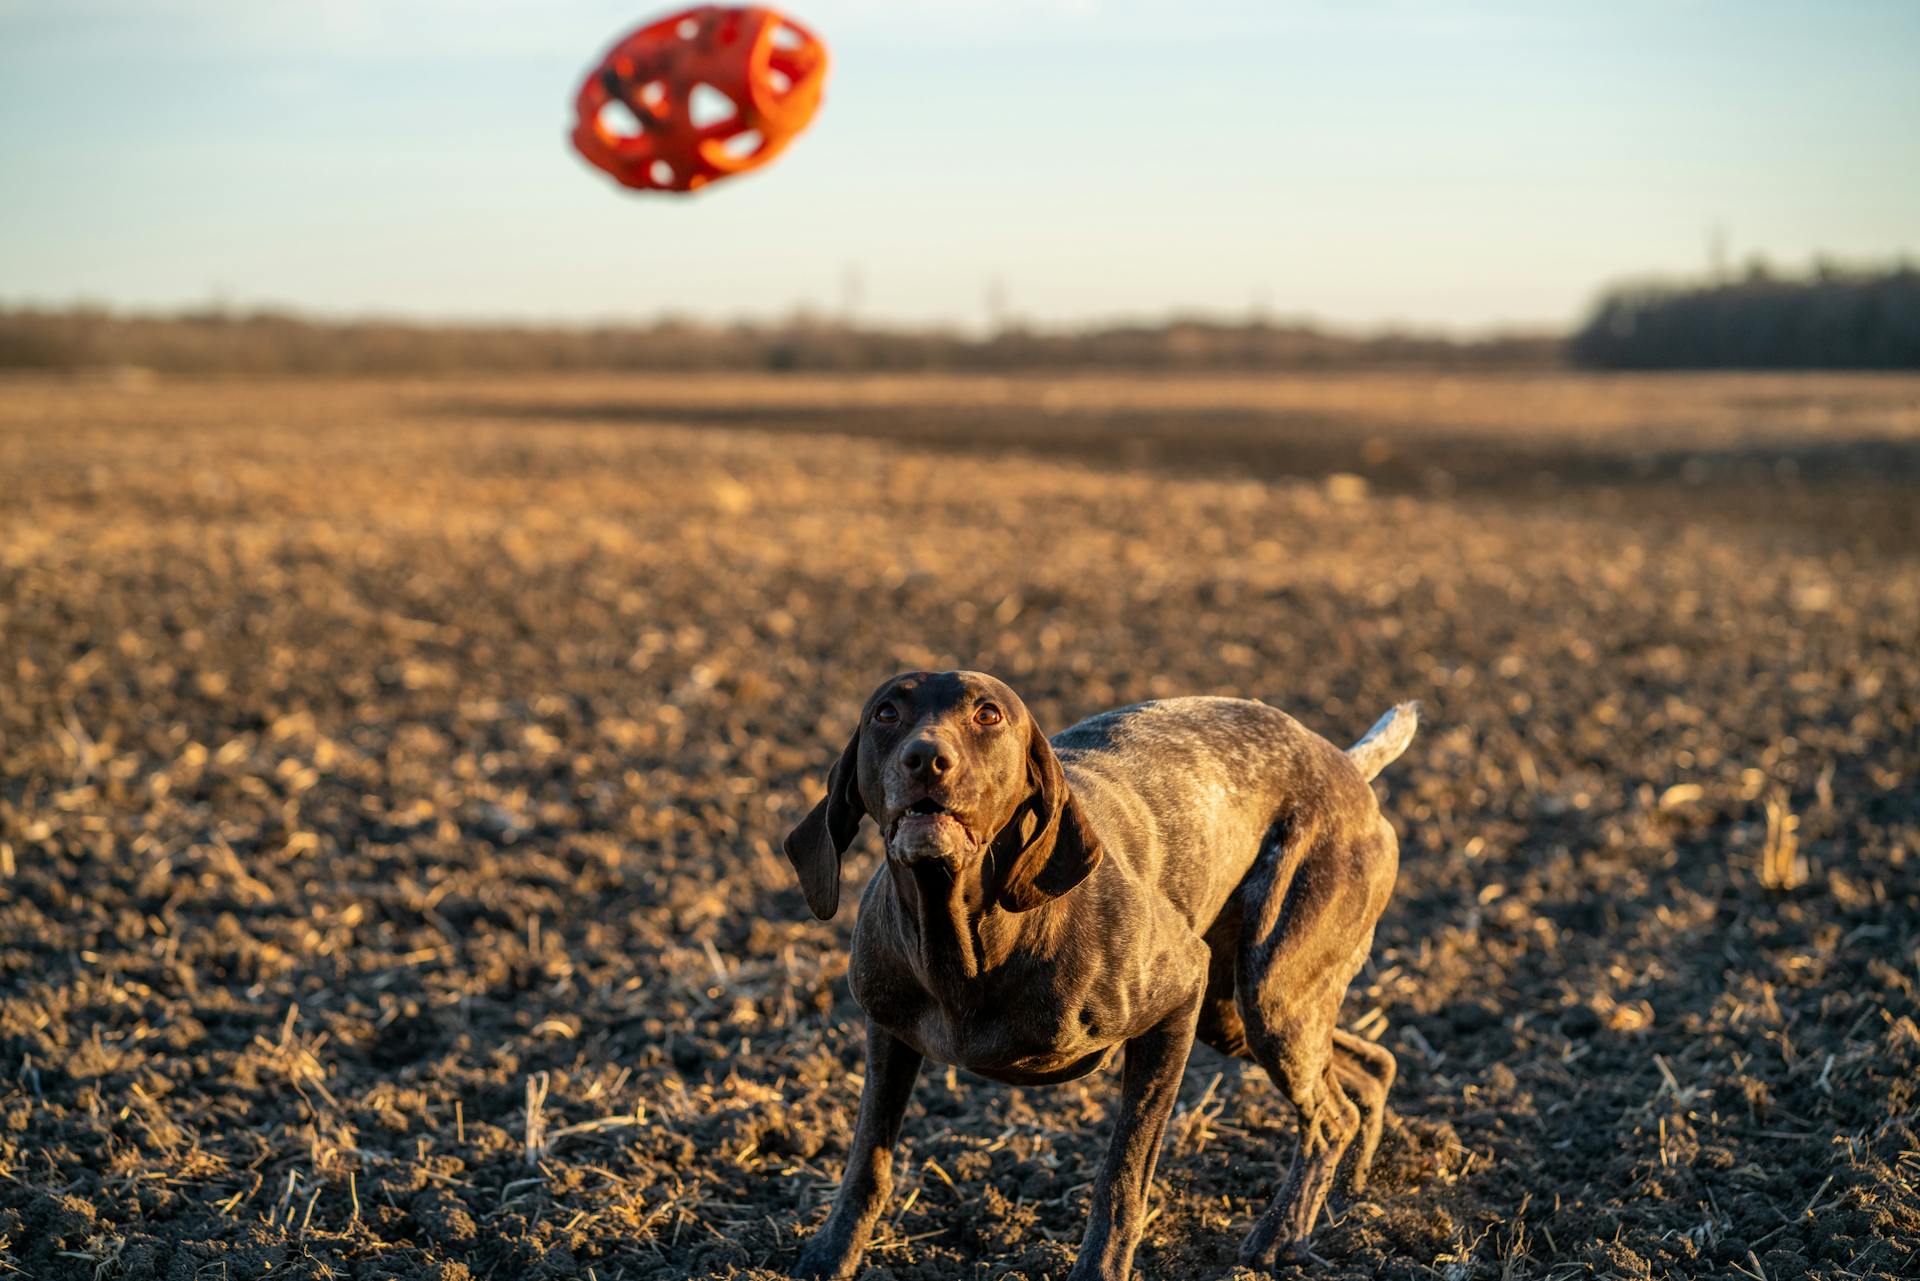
(925, 815)
(928, 829)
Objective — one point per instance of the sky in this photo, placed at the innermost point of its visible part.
(1360, 163)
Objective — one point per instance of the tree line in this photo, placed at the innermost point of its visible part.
(1832, 318)
(227, 342)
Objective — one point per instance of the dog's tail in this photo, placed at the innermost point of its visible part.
(1386, 740)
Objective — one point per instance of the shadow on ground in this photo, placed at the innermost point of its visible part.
(1850, 491)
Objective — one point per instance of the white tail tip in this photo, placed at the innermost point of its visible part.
(1388, 738)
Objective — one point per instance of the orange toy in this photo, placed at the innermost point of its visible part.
(707, 94)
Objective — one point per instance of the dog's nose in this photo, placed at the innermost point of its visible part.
(927, 758)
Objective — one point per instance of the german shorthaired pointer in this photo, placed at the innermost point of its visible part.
(1190, 867)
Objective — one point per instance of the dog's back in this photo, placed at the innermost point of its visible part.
(1197, 787)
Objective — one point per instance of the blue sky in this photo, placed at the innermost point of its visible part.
(1366, 162)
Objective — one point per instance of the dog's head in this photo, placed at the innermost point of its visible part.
(954, 770)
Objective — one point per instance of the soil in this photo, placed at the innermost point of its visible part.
(392, 776)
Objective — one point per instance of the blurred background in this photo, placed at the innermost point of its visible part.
(1461, 171)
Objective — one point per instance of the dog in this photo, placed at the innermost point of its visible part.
(1191, 867)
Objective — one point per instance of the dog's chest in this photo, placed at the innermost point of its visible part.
(1032, 1036)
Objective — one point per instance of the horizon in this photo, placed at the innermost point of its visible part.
(824, 318)
(304, 161)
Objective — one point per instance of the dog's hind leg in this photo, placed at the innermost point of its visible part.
(1366, 1070)
(1329, 1121)
(1342, 1117)
(1310, 913)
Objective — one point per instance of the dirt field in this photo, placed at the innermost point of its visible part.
(392, 778)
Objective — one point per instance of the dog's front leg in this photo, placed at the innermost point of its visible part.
(834, 1251)
(1149, 1082)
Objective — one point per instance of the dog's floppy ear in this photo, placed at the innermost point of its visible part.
(1061, 849)
(815, 846)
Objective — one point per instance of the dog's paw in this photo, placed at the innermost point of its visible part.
(1271, 1251)
(824, 1260)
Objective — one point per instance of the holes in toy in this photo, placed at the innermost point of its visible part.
(742, 145)
(702, 96)
(706, 106)
(618, 121)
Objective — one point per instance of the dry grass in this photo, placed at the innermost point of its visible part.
(1782, 868)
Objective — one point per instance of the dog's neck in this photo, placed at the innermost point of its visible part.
(957, 930)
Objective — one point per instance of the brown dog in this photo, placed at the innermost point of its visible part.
(1194, 866)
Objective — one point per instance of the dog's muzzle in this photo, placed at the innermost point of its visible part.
(928, 831)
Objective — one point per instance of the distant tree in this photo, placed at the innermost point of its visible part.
(1835, 318)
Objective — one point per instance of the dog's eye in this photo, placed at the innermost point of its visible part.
(886, 714)
(988, 714)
